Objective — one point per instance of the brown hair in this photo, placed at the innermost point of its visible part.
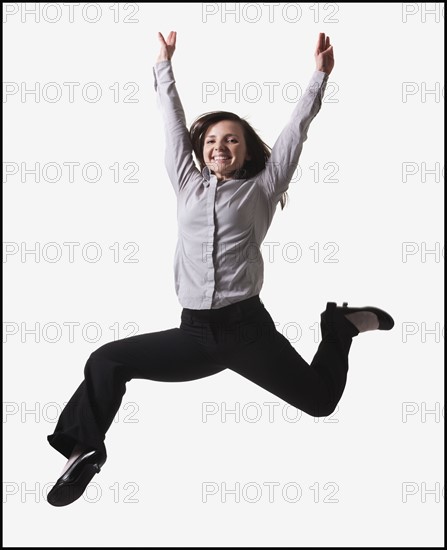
(258, 150)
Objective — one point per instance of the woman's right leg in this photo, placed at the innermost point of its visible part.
(167, 356)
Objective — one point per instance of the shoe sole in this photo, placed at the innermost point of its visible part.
(69, 492)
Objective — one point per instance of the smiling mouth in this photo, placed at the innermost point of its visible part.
(221, 158)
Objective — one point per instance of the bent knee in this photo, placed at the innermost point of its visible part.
(102, 359)
(106, 351)
(322, 409)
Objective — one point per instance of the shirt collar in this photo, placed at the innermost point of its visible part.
(206, 173)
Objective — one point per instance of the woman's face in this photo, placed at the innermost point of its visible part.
(224, 149)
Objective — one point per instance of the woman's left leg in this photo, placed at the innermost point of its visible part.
(267, 358)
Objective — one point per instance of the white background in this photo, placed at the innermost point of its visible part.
(370, 450)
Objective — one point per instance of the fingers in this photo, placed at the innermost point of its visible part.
(170, 39)
(329, 49)
(323, 43)
(320, 42)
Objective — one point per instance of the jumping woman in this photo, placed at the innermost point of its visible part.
(225, 206)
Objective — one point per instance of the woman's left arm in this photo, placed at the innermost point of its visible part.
(287, 149)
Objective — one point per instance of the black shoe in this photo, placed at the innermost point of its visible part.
(72, 483)
(386, 322)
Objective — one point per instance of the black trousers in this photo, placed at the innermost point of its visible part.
(241, 337)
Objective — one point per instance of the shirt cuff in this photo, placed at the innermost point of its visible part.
(319, 76)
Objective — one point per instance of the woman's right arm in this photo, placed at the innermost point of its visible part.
(178, 153)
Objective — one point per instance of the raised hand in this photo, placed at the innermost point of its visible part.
(167, 46)
(324, 54)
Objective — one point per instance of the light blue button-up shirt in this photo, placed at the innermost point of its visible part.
(221, 225)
